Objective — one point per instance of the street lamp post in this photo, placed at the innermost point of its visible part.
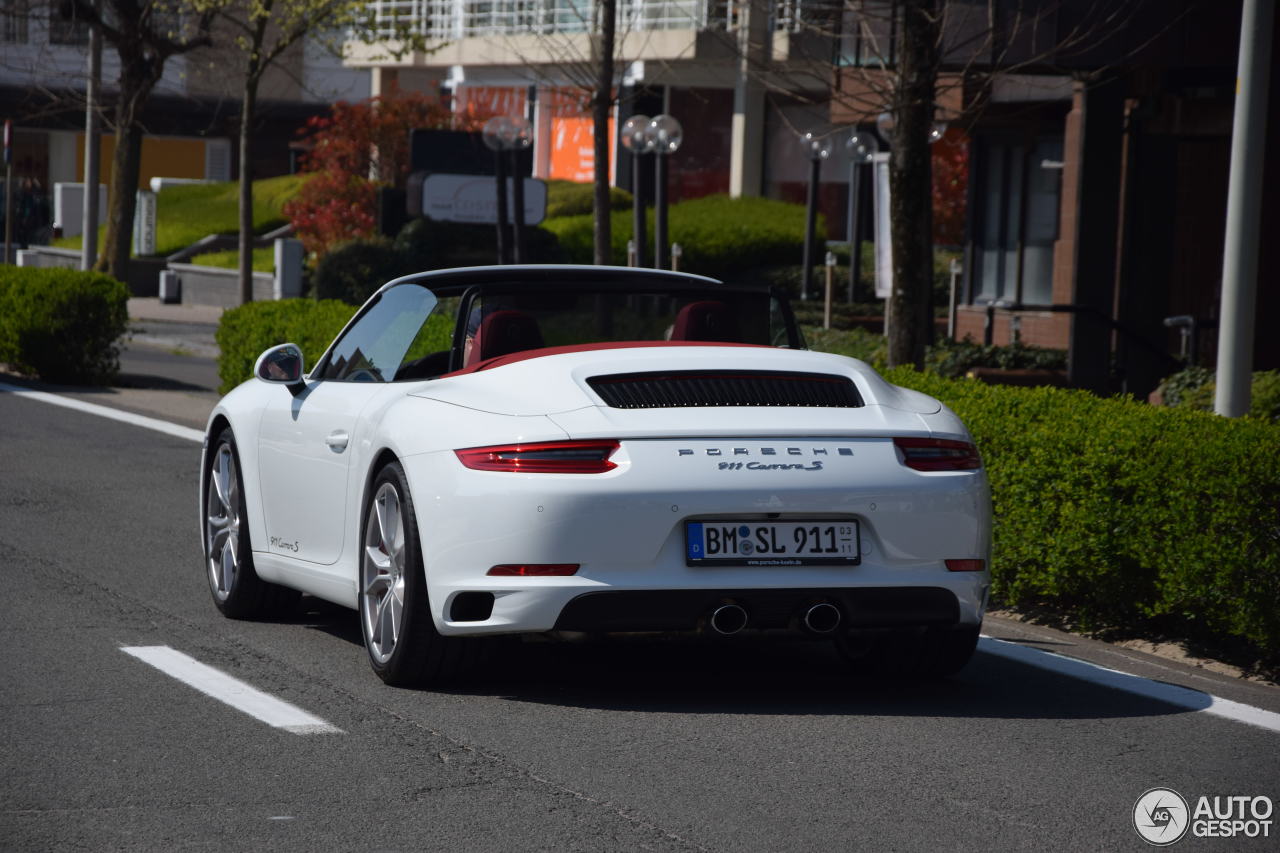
(496, 130)
(507, 136)
(667, 135)
(636, 139)
(817, 150)
(520, 139)
(862, 147)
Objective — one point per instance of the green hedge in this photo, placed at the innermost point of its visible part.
(719, 236)
(956, 358)
(246, 332)
(1196, 387)
(1123, 513)
(354, 270)
(571, 198)
(62, 325)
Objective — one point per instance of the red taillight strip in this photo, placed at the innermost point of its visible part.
(938, 454)
(544, 457)
(534, 570)
(966, 565)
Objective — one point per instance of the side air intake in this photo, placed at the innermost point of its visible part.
(685, 389)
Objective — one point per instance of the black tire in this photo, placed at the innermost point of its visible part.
(234, 584)
(405, 649)
(930, 653)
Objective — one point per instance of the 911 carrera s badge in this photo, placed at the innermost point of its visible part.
(284, 544)
(815, 465)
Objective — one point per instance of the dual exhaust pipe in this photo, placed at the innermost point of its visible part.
(820, 618)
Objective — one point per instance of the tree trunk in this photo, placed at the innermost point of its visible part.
(911, 181)
(138, 76)
(247, 107)
(600, 131)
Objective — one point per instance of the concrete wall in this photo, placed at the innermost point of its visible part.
(219, 287)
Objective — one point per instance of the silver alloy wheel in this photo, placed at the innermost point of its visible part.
(382, 575)
(222, 524)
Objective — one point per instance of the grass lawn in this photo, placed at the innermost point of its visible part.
(263, 259)
(185, 214)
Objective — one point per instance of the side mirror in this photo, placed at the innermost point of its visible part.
(280, 365)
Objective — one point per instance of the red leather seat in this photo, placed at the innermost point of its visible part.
(706, 321)
(505, 332)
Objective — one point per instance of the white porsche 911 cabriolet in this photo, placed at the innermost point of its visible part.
(515, 450)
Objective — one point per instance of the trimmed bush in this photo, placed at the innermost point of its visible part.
(1123, 513)
(871, 347)
(442, 245)
(956, 358)
(354, 270)
(246, 332)
(62, 325)
(571, 198)
(719, 236)
(1195, 387)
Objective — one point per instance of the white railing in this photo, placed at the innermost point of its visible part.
(456, 19)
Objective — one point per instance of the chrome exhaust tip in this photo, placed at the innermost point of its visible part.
(728, 619)
(822, 618)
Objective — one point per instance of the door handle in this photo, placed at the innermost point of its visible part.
(337, 441)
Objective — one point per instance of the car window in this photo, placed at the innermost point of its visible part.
(376, 346)
(501, 320)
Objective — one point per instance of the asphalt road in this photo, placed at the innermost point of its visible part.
(729, 745)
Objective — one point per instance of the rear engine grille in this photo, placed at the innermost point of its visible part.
(684, 389)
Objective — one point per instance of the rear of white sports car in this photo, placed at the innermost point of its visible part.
(595, 450)
(718, 489)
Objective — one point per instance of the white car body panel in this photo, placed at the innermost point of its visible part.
(306, 501)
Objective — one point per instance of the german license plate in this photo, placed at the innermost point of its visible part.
(772, 543)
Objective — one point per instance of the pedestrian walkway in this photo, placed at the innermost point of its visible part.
(144, 308)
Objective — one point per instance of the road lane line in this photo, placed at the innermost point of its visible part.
(1182, 697)
(231, 691)
(105, 412)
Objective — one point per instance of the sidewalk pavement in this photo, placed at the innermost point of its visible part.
(142, 308)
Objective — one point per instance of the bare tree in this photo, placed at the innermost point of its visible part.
(602, 101)
(580, 51)
(264, 32)
(145, 34)
(918, 62)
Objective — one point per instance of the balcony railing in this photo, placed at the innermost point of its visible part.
(449, 20)
(456, 19)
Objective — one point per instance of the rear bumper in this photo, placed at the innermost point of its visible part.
(626, 530)
(689, 609)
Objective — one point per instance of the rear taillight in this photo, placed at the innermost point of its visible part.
(966, 565)
(534, 570)
(937, 454)
(546, 457)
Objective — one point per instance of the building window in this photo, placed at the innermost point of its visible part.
(869, 33)
(14, 16)
(65, 27)
(1018, 192)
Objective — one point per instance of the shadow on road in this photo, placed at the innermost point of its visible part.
(773, 675)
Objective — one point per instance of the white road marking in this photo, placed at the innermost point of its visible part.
(231, 691)
(105, 412)
(1182, 697)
